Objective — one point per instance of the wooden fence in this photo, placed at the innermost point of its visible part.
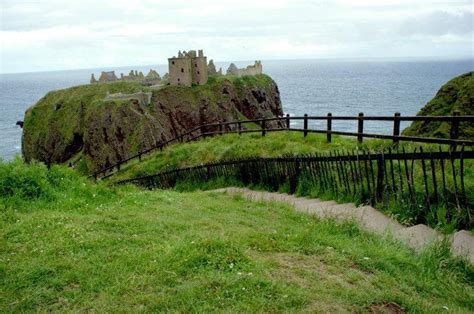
(284, 124)
(417, 180)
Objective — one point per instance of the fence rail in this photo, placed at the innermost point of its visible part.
(284, 124)
(418, 180)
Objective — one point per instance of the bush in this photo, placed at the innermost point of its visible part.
(21, 185)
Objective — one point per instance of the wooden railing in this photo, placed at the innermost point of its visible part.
(284, 124)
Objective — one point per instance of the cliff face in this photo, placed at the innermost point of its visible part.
(457, 94)
(83, 126)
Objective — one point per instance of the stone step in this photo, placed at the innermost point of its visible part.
(336, 211)
(373, 220)
(418, 237)
(463, 244)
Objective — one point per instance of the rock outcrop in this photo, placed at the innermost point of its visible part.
(457, 94)
(81, 126)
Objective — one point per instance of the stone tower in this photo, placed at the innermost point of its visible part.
(188, 68)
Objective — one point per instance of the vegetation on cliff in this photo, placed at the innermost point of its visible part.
(79, 125)
(72, 245)
(457, 94)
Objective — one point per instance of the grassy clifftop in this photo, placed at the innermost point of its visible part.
(457, 94)
(69, 245)
(81, 126)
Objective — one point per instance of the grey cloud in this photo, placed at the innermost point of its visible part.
(439, 23)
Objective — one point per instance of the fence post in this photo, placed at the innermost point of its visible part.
(454, 134)
(360, 127)
(305, 124)
(396, 127)
(380, 176)
(263, 128)
(203, 134)
(221, 127)
(294, 179)
(329, 130)
(140, 156)
(118, 166)
(287, 120)
(240, 128)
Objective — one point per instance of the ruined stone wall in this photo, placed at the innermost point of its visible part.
(180, 71)
(249, 70)
(142, 97)
(200, 73)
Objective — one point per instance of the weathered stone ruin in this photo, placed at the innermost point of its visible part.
(93, 80)
(152, 78)
(107, 77)
(211, 68)
(188, 68)
(141, 97)
(249, 70)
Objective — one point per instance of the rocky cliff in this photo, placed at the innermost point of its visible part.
(86, 127)
(457, 94)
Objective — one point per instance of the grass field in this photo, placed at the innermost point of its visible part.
(290, 143)
(68, 244)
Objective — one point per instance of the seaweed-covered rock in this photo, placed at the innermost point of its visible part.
(457, 94)
(82, 126)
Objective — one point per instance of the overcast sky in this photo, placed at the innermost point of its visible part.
(39, 35)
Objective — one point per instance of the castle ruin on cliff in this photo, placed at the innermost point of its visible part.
(188, 68)
(152, 78)
(185, 69)
(249, 70)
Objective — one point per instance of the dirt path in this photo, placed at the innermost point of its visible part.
(416, 237)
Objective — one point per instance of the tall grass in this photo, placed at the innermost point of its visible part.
(27, 186)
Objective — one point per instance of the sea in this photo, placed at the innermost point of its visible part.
(315, 87)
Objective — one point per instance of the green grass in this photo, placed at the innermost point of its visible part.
(455, 95)
(288, 143)
(246, 145)
(70, 245)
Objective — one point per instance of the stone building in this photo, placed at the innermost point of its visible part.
(249, 70)
(211, 68)
(188, 68)
(107, 76)
(152, 78)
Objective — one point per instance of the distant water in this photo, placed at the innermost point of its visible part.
(315, 87)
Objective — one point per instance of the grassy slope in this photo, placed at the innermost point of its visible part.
(457, 94)
(280, 143)
(67, 244)
(246, 145)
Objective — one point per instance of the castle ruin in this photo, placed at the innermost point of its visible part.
(152, 78)
(188, 68)
(249, 70)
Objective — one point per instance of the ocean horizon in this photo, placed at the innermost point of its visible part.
(313, 86)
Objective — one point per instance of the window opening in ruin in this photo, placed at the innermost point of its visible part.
(172, 62)
(182, 70)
